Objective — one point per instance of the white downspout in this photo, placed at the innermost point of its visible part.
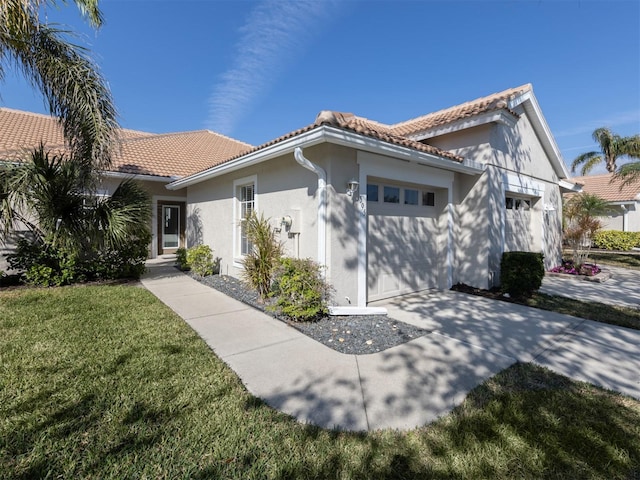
(322, 203)
(322, 236)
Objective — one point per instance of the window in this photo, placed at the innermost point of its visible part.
(429, 199)
(247, 205)
(391, 194)
(372, 192)
(513, 203)
(411, 196)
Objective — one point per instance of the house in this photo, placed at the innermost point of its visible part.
(623, 199)
(154, 160)
(392, 209)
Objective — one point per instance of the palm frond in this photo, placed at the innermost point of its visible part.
(628, 173)
(589, 158)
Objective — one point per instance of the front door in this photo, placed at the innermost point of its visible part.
(170, 227)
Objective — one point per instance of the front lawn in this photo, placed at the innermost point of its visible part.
(106, 382)
(630, 261)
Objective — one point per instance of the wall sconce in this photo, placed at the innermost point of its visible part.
(352, 187)
(549, 207)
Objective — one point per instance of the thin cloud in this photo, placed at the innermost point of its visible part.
(622, 118)
(274, 33)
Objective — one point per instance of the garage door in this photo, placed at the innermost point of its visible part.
(402, 243)
(517, 224)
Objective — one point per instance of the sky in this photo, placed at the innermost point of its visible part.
(257, 70)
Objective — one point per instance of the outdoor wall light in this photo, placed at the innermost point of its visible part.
(352, 187)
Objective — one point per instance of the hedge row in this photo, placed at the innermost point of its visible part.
(616, 240)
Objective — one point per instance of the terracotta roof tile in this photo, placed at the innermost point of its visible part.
(173, 154)
(609, 188)
(489, 103)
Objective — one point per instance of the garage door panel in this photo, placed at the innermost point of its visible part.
(402, 254)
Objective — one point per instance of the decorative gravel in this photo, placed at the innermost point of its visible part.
(354, 334)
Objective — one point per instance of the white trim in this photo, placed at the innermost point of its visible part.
(450, 237)
(336, 136)
(362, 273)
(240, 182)
(167, 205)
(357, 311)
(522, 184)
(534, 112)
(154, 219)
(625, 218)
(140, 176)
(501, 116)
(568, 185)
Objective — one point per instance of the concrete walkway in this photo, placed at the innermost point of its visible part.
(406, 386)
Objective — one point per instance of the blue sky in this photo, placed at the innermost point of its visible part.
(257, 70)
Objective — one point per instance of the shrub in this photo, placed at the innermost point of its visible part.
(302, 292)
(181, 259)
(521, 273)
(200, 260)
(616, 240)
(260, 263)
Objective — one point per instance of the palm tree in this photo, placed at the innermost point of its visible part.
(72, 86)
(48, 198)
(612, 147)
(581, 212)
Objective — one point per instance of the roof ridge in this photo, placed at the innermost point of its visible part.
(31, 114)
(504, 93)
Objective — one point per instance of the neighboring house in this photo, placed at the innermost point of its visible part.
(154, 160)
(392, 209)
(624, 200)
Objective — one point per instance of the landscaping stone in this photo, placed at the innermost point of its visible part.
(353, 334)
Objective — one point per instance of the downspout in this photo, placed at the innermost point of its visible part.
(322, 203)
(322, 238)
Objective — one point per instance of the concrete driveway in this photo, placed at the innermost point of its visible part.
(601, 354)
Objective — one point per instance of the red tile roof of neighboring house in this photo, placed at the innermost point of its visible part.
(496, 101)
(172, 154)
(610, 188)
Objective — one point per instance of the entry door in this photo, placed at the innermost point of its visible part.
(170, 226)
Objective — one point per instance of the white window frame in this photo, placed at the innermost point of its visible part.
(237, 217)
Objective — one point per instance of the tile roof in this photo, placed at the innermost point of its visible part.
(609, 188)
(173, 154)
(495, 101)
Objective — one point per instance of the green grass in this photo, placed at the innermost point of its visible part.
(106, 382)
(631, 261)
(599, 312)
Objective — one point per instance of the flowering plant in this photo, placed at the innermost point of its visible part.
(570, 268)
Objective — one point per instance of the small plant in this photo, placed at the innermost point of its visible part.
(261, 261)
(200, 259)
(302, 292)
(181, 259)
(521, 273)
(581, 223)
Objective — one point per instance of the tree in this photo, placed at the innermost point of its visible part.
(612, 147)
(581, 223)
(72, 86)
(628, 173)
(47, 197)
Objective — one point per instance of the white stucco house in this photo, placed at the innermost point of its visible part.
(624, 200)
(392, 209)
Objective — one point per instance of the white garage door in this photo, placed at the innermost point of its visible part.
(402, 242)
(517, 224)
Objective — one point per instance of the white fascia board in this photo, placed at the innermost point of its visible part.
(498, 116)
(532, 108)
(139, 176)
(623, 202)
(572, 187)
(336, 136)
(522, 184)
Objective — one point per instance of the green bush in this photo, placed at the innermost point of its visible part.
(521, 273)
(616, 240)
(45, 265)
(260, 263)
(200, 260)
(181, 259)
(301, 292)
